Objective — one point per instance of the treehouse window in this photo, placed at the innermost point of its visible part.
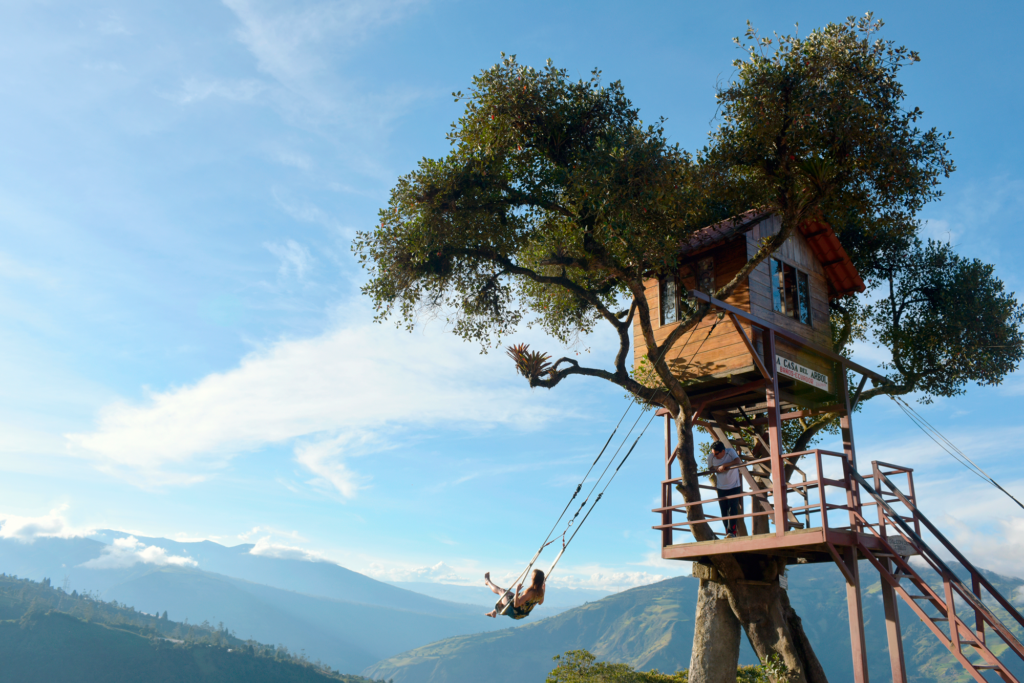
(669, 296)
(791, 291)
(706, 275)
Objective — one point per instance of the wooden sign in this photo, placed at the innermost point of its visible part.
(789, 368)
(901, 546)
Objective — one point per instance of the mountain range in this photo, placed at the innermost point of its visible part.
(357, 624)
(336, 615)
(651, 627)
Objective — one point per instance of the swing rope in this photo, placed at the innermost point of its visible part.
(599, 496)
(565, 544)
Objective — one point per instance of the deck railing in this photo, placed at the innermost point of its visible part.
(814, 495)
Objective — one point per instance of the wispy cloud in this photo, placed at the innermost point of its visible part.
(130, 551)
(438, 573)
(12, 269)
(286, 40)
(113, 25)
(295, 258)
(331, 393)
(51, 525)
(195, 90)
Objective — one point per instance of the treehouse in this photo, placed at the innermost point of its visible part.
(764, 356)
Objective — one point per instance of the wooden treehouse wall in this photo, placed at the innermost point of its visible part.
(698, 356)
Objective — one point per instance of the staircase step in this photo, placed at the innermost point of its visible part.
(938, 618)
(982, 667)
(920, 597)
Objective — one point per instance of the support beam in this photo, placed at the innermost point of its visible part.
(666, 489)
(846, 429)
(750, 347)
(775, 436)
(892, 629)
(856, 612)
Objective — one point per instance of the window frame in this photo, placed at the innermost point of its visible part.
(663, 282)
(790, 291)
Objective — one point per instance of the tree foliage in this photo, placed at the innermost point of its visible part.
(580, 666)
(557, 204)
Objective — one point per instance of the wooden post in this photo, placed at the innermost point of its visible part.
(979, 622)
(846, 427)
(775, 435)
(892, 628)
(856, 611)
(666, 489)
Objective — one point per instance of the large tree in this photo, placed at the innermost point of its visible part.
(557, 203)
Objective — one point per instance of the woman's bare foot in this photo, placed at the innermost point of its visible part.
(493, 614)
(487, 577)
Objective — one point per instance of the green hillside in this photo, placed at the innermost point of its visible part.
(652, 628)
(46, 635)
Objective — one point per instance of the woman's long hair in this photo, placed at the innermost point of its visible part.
(537, 580)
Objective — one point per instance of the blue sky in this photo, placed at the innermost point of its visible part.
(185, 351)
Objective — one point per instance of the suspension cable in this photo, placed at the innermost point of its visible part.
(949, 447)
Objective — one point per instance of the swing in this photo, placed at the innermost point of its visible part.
(509, 609)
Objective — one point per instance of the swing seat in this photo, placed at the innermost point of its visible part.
(508, 609)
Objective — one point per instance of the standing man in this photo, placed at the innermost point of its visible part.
(727, 481)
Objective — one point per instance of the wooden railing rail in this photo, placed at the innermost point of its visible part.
(954, 552)
(950, 580)
(819, 507)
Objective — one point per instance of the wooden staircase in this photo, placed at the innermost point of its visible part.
(900, 577)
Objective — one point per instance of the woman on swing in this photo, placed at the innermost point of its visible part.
(522, 603)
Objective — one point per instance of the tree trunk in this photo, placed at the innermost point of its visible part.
(716, 637)
(750, 584)
(764, 612)
(773, 627)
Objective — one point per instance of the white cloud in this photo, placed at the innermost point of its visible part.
(336, 392)
(51, 525)
(605, 579)
(113, 25)
(438, 573)
(295, 159)
(127, 552)
(196, 90)
(306, 212)
(294, 257)
(265, 548)
(285, 39)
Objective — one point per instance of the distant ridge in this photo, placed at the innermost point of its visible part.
(49, 636)
(652, 628)
(304, 610)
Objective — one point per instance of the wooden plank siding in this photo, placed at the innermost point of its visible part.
(796, 252)
(723, 353)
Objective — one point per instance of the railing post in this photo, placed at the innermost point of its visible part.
(878, 508)
(856, 613)
(821, 495)
(666, 489)
(846, 427)
(775, 435)
(913, 500)
(979, 621)
(892, 625)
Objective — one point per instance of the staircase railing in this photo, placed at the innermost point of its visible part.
(959, 633)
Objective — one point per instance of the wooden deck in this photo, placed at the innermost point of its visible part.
(807, 545)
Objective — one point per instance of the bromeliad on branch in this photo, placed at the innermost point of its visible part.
(529, 364)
